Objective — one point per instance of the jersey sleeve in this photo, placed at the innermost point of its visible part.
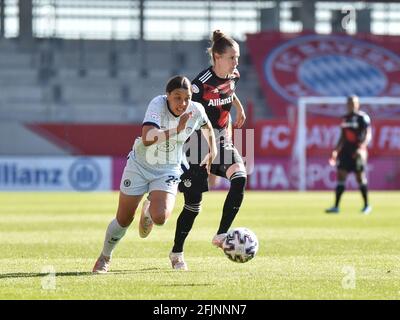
(153, 113)
(366, 120)
(202, 116)
(197, 90)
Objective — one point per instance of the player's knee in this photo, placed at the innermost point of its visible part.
(193, 203)
(341, 183)
(193, 198)
(124, 221)
(238, 181)
(159, 215)
(160, 221)
(362, 181)
(124, 218)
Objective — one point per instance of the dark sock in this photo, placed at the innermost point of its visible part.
(185, 221)
(233, 201)
(339, 191)
(364, 192)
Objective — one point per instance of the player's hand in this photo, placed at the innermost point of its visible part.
(361, 152)
(183, 121)
(333, 158)
(208, 160)
(240, 119)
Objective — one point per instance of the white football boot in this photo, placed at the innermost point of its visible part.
(366, 210)
(218, 240)
(145, 224)
(177, 261)
(102, 265)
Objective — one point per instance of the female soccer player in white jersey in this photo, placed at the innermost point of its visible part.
(154, 164)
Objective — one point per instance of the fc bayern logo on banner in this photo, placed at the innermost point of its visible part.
(318, 65)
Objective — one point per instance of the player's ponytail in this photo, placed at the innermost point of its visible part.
(219, 43)
(178, 82)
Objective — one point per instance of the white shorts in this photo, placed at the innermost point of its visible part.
(137, 180)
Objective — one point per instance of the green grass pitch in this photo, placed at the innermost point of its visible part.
(304, 253)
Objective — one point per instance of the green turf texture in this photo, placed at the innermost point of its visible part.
(304, 253)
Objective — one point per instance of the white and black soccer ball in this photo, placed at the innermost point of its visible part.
(240, 245)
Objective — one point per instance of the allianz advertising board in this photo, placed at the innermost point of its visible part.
(55, 173)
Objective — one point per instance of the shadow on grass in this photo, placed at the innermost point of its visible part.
(37, 274)
(187, 285)
(78, 274)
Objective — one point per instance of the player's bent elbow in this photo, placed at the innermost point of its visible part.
(148, 143)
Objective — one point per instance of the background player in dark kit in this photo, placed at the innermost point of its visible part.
(350, 154)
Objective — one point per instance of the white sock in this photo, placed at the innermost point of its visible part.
(114, 233)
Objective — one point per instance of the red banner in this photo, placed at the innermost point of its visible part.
(295, 65)
(90, 139)
(277, 137)
(276, 173)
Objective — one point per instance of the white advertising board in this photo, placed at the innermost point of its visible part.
(55, 173)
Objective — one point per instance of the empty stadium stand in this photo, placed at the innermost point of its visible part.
(100, 81)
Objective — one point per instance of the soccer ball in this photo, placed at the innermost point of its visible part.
(240, 245)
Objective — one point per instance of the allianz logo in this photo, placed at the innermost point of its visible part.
(15, 174)
(83, 174)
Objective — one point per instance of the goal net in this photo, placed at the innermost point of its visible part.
(333, 107)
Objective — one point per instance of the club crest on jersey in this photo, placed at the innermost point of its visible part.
(331, 65)
(167, 146)
(155, 116)
(187, 183)
(195, 89)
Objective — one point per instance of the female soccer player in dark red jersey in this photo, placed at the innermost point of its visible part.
(214, 88)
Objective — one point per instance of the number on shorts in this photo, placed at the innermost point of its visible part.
(172, 180)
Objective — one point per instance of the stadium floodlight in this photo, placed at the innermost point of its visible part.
(301, 134)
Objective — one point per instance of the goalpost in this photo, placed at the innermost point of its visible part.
(301, 134)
